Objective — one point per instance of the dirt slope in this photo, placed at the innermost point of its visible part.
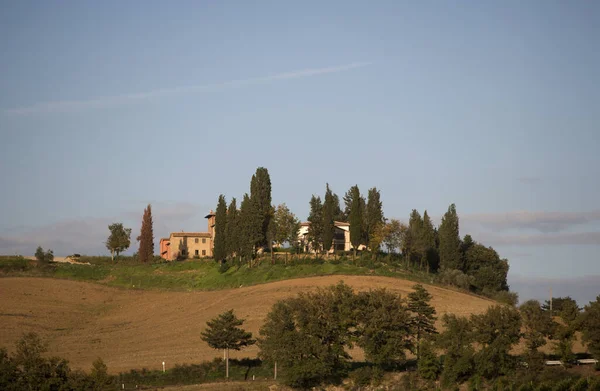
(134, 329)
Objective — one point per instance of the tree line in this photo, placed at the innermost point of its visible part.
(309, 337)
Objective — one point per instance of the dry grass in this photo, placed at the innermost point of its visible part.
(134, 329)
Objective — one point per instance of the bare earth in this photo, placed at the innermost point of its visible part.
(135, 329)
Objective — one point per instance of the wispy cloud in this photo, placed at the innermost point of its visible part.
(544, 239)
(117, 100)
(538, 221)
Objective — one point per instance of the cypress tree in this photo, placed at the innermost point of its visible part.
(413, 237)
(450, 256)
(249, 228)
(220, 249)
(231, 230)
(146, 238)
(260, 194)
(374, 217)
(328, 215)
(428, 246)
(355, 216)
(315, 229)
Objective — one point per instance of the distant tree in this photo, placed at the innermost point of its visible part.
(220, 241)
(412, 240)
(590, 325)
(118, 240)
(260, 194)
(249, 228)
(564, 334)
(427, 241)
(287, 226)
(146, 238)
(394, 232)
(307, 336)
(456, 340)
(496, 331)
(328, 219)
(338, 213)
(100, 379)
(374, 219)
(272, 234)
(484, 264)
(224, 332)
(40, 255)
(538, 326)
(315, 229)
(564, 307)
(44, 256)
(232, 233)
(423, 315)
(384, 327)
(428, 364)
(355, 211)
(450, 257)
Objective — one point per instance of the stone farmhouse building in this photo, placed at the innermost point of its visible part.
(341, 237)
(189, 244)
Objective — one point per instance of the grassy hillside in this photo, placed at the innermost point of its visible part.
(131, 328)
(198, 274)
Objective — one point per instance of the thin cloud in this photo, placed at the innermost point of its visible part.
(117, 100)
(547, 239)
(539, 221)
(529, 180)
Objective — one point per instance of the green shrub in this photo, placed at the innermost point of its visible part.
(224, 267)
(563, 385)
(505, 297)
(365, 376)
(456, 278)
(14, 264)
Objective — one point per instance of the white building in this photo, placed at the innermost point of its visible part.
(341, 237)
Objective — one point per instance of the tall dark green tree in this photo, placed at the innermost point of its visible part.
(220, 244)
(224, 332)
(423, 315)
(260, 194)
(373, 214)
(412, 239)
(355, 211)
(232, 244)
(338, 213)
(146, 238)
(249, 228)
(328, 216)
(429, 255)
(315, 229)
(450, 257)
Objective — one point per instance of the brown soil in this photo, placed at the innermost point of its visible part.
(135, 329)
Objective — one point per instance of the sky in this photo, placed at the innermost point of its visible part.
(108, 106)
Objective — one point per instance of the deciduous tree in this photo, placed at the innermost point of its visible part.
(224, 332)
(119, 239)
(590, 325)
(456, 340)
(394, 232)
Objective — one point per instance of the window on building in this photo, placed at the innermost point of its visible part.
(203, 240)
(203, 252)
(183, 252)
(196, 240)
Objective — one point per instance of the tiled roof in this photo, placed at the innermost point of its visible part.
(336, 223)
(191, 234)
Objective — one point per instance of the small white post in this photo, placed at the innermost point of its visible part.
(252, 377)
(163, 367)
(122, 386)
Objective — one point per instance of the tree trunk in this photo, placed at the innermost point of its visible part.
(275, 377)
(112, 255)
(227, 365)
(272, 256)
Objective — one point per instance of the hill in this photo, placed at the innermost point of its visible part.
(134, 328)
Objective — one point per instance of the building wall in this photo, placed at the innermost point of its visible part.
(192, 245)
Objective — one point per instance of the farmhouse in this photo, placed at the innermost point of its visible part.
(189, 244)
(341, 237)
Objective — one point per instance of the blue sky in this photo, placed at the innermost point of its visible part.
(494, 106)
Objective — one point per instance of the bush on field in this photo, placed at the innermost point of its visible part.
(456, 278)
